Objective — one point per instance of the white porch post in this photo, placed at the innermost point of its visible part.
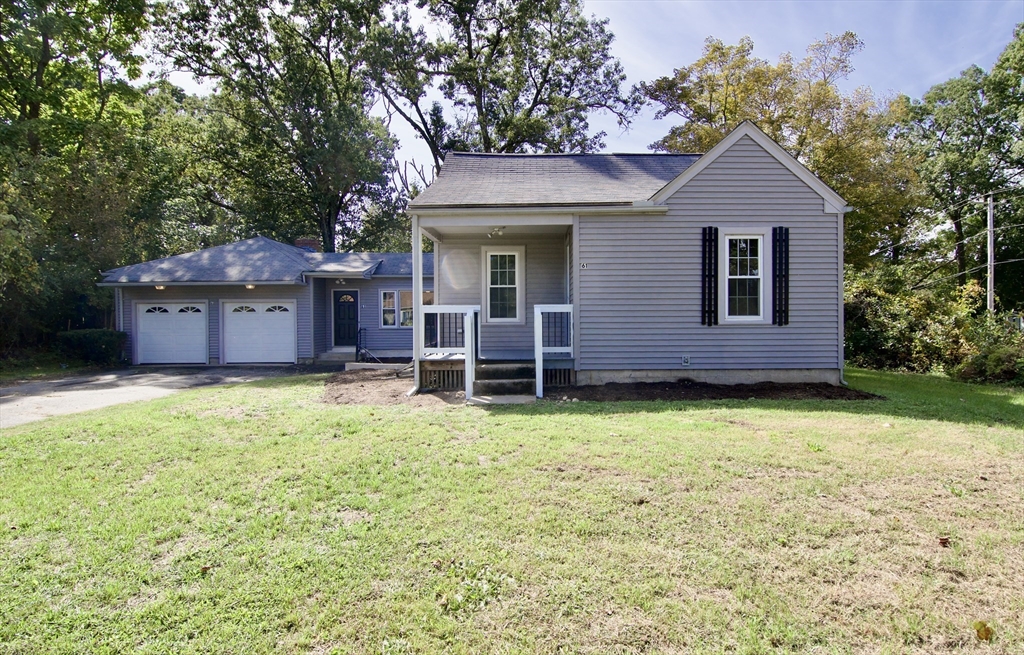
(417, 299)
(538, 347)
(469, 341)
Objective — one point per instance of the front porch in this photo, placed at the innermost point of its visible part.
(503, 320)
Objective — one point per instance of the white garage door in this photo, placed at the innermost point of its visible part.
(259, 332)
(172, 333)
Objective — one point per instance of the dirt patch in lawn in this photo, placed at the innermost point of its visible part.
(369, 387)
(688, 390)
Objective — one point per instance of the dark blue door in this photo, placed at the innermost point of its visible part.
(346, 317)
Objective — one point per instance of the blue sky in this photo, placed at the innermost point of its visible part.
(909, 46)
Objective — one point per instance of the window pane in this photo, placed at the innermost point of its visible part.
(405, 303)
(752, 245)
(744, 297)
(388, 300)
(428, 297)
(388, 317)
(503, 302)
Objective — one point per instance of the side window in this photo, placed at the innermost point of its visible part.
(405, 305)
(387, 308)
(743, 275)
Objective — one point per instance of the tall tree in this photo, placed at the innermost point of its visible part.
(842, 138)
(292, 106)
(968, 133)
(517, 76)
(66, 155)
(51, 51)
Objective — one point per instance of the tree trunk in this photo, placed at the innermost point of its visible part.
(327, 231)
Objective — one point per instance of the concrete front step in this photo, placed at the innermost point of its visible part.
(336, 357)
(502, 400)
(505, 371)
(517, 387)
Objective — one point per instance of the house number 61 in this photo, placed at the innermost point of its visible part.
(583, 265)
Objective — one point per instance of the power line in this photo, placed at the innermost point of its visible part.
(973, 236)
(970, 270)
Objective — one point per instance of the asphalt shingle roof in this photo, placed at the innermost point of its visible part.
(481, 180)
(263, 260)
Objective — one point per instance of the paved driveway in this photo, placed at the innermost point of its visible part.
(38, 400)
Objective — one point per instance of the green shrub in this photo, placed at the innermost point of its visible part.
(891, 327)
(103, 347)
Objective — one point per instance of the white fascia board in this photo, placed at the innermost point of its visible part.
(218, 283)
(529, 215)
(834, 203)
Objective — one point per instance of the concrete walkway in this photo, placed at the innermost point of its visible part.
(34, 401)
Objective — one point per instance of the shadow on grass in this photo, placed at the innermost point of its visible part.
(905, 395)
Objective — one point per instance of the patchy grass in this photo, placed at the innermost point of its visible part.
(256, 519)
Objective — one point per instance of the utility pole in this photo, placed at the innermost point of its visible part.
(991, 256)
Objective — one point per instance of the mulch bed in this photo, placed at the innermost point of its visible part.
(688, 390)
(369, 387)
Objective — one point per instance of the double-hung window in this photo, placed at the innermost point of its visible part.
(387, 309)
(743, 271)
(405, 308)
(503, 285)
(744, 285)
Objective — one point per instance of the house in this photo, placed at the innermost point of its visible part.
(725, 267)
(262, 301)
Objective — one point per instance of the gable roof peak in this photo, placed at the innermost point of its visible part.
(833, 201)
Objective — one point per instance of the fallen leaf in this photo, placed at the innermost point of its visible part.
(984, 630)
(944, 542)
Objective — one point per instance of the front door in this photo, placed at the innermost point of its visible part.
(346, 317)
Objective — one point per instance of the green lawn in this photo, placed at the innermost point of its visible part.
(253, 519)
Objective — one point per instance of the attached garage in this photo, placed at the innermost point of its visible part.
(172, 333)
(259, 332)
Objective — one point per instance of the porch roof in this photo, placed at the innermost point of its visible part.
(495, 180)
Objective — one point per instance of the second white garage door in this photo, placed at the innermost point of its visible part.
(259, 332)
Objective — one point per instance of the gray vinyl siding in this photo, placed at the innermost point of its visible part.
(377, 338)
(214, 294)
(320, 326)
(461, 278)
(640, 296)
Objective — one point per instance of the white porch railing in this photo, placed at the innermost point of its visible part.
(450, 330)
(552, 333)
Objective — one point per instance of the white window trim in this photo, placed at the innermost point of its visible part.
(380, 309)
(485, 273)
(765, 236)
(398, 308)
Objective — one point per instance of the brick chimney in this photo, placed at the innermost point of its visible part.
(312, 245)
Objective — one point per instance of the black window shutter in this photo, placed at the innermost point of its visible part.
(709, 271)
(780, 275)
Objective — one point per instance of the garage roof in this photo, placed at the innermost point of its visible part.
(262, 260)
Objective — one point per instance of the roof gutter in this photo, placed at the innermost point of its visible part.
(640, 207)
